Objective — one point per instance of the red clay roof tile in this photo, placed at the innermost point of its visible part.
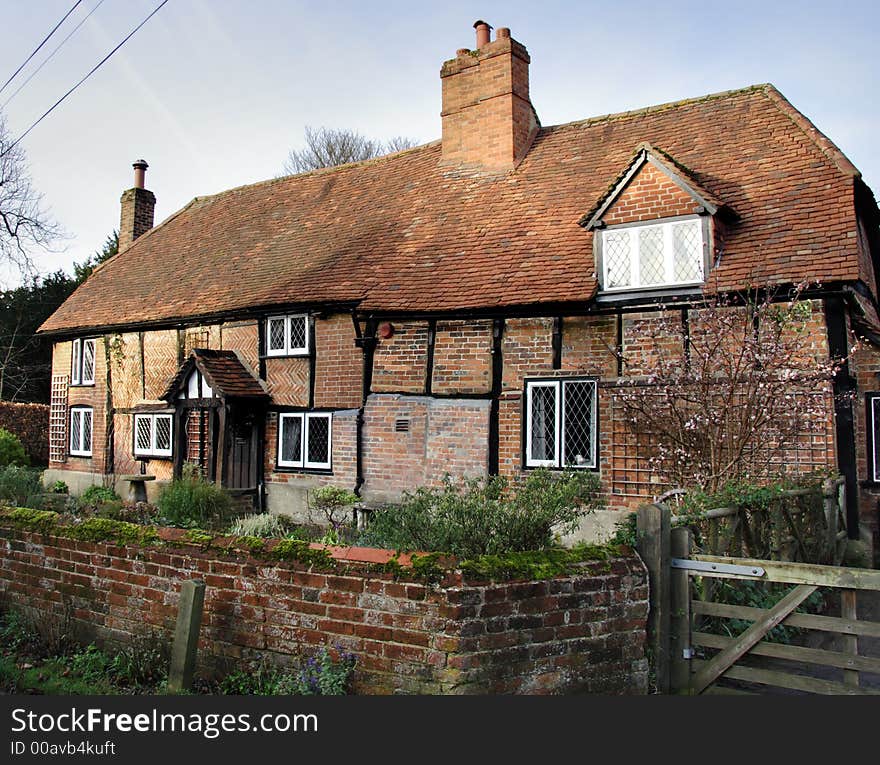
(400, 234)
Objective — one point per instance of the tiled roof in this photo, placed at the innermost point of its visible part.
(399, 234)
(225, 373)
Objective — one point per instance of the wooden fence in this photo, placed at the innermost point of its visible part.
(690, 658)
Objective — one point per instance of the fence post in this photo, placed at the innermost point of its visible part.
(829, 495)
(652, 523)
(680, 617)
(186, 636)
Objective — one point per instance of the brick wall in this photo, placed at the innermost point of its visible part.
(288, 380)
(651, 194)
(442, 435)
(462, 357)
(339, 363)
(527, 349)
(242, 336)
(647, 339)
(30, 422)
(580, 633)
(401, 361)
(160, 361)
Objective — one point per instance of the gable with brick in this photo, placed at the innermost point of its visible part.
(469, 306)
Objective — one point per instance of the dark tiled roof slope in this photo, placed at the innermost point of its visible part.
(398, 234)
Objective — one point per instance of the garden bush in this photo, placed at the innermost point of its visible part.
(479, 516)
(11, 450)
(19, 485)
(192, 502)
(325, 674)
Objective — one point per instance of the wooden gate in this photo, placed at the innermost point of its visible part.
(692, 655)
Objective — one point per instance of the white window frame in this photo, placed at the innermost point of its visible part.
(305, 419)
(559, 385)
(79, 450)
(154, 450)
(76, 363)
(288, 350)
(872, 416)
(632, 231)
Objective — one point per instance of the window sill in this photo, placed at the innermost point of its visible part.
(586, 468)
(642, 293)
(81, 385)
(80, 455)
(303, 470)
(297, 355)
(166, 457)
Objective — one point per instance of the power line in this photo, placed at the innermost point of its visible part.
(94, 69)
(45, 40)
(51, 55)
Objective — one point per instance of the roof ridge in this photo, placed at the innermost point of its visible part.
(318, 171)
(762, 87)
(819, 139)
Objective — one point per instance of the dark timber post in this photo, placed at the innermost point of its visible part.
(494, 406)
(653, 542)
(843, 388)
(186, 636)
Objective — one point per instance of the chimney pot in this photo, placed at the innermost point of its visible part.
(462, 51)
(503, 33)
(482, 32)
(140, 170)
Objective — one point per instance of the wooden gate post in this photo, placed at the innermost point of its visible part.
(186, 636)
(652, 524)
(680, 617)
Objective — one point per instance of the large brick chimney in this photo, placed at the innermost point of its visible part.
(138, 204)
(489, 122)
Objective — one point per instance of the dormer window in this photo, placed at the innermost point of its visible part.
(653, 254)
(287, 335)
(82, 369)
(655, 227)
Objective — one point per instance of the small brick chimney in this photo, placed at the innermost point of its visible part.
(489, 122)
(138, 204)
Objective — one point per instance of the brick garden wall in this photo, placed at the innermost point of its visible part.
(30, 422)
(576, 634)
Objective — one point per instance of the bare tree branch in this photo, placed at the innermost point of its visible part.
(24, 224)
(328, 147)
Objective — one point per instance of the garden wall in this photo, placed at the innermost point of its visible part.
(582, 633)
(30, 422)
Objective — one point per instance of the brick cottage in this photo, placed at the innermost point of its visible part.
(468, 306)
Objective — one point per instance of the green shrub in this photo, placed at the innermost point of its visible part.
(192, 502)
(325, 674)
(472, 517)
(19, 484)
(143, 661)
(59, 487)
(11, 450)
(93, 498)
(334, 503)
(625, 531)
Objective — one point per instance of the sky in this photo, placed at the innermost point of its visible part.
(214, 93)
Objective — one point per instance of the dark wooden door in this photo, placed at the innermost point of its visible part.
(242, 463)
